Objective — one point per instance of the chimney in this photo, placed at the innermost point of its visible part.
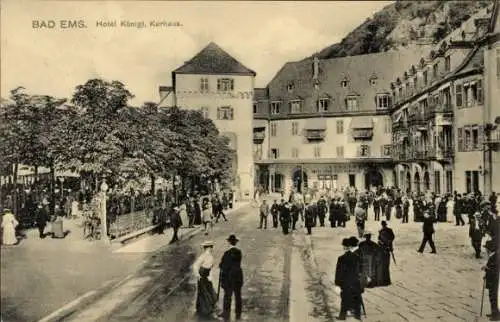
(315, 67)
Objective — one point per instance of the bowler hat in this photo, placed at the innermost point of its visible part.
(367, 233)
(345, 242)
(232, 238)
(353, 241)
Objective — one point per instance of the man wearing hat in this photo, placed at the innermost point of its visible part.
(42, 217)
(347, 278)
(428, 230)
(385, 241)
(309, 218)
(285, 216)
(489, 220)
(491, 279)
(475, 233)
(231, 278)
(176, 222)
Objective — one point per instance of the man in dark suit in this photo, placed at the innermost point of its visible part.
(428, 230)
(231, 278)
(385, 241)
(176, 222)
(275, 211)
(42, 217)
(322, 209)
(376, 207)
(491, 277)
(348, 278)
(309, 218)
(285, 216)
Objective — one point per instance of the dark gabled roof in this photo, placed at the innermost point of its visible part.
(260, 94)
(213, 60)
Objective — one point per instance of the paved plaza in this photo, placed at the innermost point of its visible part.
(287, 278)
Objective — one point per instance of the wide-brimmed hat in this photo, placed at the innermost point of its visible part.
(208, 243)
(485, 203)
(232, 238)
(353, 241)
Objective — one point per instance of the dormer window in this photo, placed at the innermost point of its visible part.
(373, 80)
(351, 103)
(323, 105)
(383, 101)
(447, 63)
(435, 70)
(225, 84)
(343, 83)
(426, 78)
(290, 87)
(295, 106)
(275, 107)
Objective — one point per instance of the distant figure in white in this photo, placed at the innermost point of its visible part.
(9, 224)
(206, 218)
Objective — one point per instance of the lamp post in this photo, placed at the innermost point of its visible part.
(103, 207)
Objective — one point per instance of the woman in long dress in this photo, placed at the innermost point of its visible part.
(206, 299)
(9, 224)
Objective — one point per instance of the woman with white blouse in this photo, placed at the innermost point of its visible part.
(206, 299)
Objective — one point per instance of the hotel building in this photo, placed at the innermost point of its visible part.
(438, 114)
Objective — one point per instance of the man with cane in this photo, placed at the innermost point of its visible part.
(491, 280)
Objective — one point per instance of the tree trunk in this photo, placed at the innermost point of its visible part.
(14, 196)
(152, 177)
(52, 189)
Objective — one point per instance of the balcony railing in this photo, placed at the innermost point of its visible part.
(443, 153)
(313, 135)
(494, 136)
(416, 119)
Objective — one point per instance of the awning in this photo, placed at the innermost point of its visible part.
(259, 124)
(315, 124)
(363, 122)
(362, 133)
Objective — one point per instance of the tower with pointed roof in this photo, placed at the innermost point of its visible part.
(217, 84)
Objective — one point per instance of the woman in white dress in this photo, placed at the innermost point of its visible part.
(9, 224)
(206, 298)
(450, 207)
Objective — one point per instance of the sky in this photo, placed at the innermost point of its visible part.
(261, 35)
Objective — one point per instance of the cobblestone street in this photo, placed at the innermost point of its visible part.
(165, 290)
(425, 287)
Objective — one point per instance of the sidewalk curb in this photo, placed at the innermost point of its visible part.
(93, 295)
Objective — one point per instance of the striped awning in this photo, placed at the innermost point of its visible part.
(259, 124)
(315, 124)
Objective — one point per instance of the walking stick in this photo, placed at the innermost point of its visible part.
(482, 297)
(218, 287)
(363, 306)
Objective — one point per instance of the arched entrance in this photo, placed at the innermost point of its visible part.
(408, 182)
(427, 181)
(417, 181)
(373, 178)
(299, 179)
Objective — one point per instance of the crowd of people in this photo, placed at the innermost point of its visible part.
(367, 264)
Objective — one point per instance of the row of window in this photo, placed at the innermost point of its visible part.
(223, 84)
(223, 112)
(344, 83)
(363, 151)
(339, 127)
(470, 138)
(469, 94)
(324, 105)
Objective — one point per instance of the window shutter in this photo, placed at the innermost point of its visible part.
(459, 95)
(480, 137)
(218, 84)
(460, 140)
(480, 97)
(232, 84)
